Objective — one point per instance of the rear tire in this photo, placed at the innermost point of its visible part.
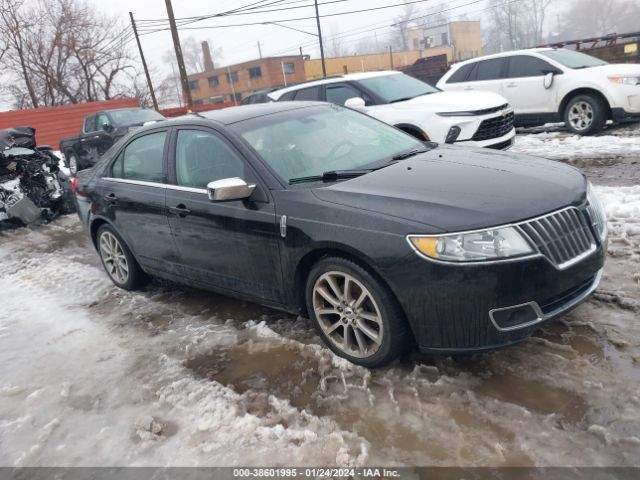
(118, 261)
(585, 114)
(355, 314)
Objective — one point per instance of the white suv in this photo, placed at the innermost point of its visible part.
(464, 118)
(551, 85)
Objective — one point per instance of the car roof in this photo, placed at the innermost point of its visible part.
(230, 115)
(502, 54)
(333, 79)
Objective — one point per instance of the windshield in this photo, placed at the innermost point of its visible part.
(311, 141)
(133, 116)
(573, 59)
(397, 87)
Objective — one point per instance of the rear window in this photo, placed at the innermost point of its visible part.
(461, 74)
(287, 96)
(310, 94)
(90, 124)
(489, 69)
(142, 159)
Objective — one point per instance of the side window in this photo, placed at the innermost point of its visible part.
(461, 74)
(312, 93)
(142, 159)
(527, 66)
(287, 96)
(339, 94)
(489, 69)
(90, 124)
(202, 157)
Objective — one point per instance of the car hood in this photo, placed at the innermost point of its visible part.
(629, 69)
(455, 101)
(456, 189)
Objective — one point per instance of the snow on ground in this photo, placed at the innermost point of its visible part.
(559, 145)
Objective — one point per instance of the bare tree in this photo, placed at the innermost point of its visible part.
(515, 25)
(589, 18)
(402, 24)
(192, 54)
(334, 44)
(64, 51)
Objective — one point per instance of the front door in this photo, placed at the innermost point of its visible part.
(134, 195)
(524, 86)
(229, 245)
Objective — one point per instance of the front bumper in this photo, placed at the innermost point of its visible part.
(454, 308)
(501, 143)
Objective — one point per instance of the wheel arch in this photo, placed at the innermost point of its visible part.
(583, 91)
(318, 252)
(413, 131)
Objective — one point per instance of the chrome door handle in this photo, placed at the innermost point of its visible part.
(468, 88)
(111, 198)
(511, 85)
(179, 210)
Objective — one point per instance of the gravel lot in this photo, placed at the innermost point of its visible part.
(92, 375)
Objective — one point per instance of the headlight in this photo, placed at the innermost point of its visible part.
(483, 245)
(596, 212)
(625, 80)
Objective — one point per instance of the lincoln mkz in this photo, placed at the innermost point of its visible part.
(385, 242)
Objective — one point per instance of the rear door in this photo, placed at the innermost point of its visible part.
(133, 193)
(487, 75)
(524, 85)
(231, 245)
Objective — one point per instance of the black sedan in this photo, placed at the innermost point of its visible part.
(385, 242)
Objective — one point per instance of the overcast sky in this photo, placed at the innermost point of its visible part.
(240, 43)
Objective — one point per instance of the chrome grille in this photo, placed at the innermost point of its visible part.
(563, 237)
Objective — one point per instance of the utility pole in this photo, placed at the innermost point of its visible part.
(176, 45)
(144, 63)
(391, 56)
(324, 68)
(300, 51)
(259, 50)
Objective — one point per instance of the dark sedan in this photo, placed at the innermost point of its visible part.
(385, 242)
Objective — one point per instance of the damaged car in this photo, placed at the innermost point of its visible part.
(32, 186)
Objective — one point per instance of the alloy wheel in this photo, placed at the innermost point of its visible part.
(581, 115)
(113, 258)
(348, 314)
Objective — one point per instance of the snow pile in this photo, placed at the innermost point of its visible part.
(560, 146)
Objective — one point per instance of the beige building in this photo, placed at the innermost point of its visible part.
(461, 39)
(237, 81)
(361, 63)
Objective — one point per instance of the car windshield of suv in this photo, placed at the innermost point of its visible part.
(397, 87)
(310, 141)
(134, 116)
(572, 59)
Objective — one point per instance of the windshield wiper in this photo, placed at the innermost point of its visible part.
(332, 175)
(409, 153)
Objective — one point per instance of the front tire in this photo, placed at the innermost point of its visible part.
(118, 261)
(585, 114)
(355, 314)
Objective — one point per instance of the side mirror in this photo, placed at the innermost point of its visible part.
(229, 189)
(355, 103)
(548, 80)
(107, 127)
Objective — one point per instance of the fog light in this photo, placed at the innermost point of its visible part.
(452, 136)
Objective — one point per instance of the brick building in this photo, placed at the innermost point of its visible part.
(222, 84)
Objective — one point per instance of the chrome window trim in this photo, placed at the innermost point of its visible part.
(515, 225)
(541, 315)
(165, 186)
